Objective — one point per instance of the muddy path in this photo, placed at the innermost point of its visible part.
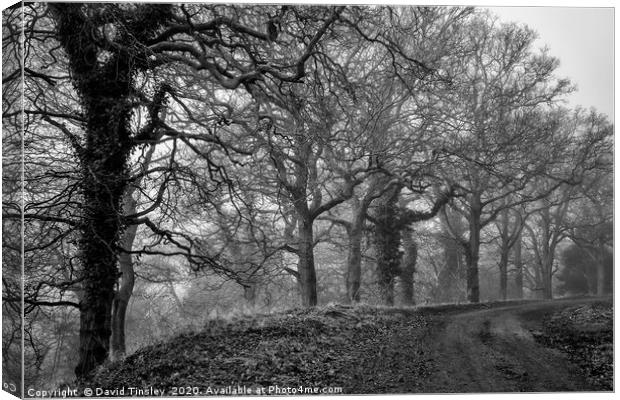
(493, 350)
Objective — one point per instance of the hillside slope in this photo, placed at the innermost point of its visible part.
(341, 349)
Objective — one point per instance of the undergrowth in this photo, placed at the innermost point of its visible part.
(585, 333)
(330, 346)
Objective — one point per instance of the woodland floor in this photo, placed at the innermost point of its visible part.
(534, 346)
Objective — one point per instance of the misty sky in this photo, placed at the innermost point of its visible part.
(583, 40)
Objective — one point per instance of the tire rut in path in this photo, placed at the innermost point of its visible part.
(491, 351)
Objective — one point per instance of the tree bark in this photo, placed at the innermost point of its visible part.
(550, 239)
(503, 258)
(547, 279)
(472, 253)
(305, 266)
(355, 232)
(473, 285)
(387, 243)
(538, 281)
(125, 290)
(503, 275)
(354, 255)
(103, 182)
(518, 261)
(407, 268)
(546, 265)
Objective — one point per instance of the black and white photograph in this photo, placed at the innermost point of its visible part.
(226, 199)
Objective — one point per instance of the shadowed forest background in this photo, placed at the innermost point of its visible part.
(188, 162)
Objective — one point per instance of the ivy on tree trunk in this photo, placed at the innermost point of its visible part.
(104, 82)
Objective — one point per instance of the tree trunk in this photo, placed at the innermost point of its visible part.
(94, 325)
(354, 262)
(504, 250)
(538, 281)
(354, 255)
(407, 268)
(518, 268)
(386, 287)
(125, 290)
(503, 275)
(548, 249)
(305, 266)
(387, 243)
(473, 286)
(103, 182)
(547, 285)
(472, 253)
(547, 271)
(105, 92)
(103, 166)
(117, 340)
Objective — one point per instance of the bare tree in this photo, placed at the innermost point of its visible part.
(497, 89)
(109, 59)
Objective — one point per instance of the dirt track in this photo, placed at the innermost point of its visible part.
(493, 350)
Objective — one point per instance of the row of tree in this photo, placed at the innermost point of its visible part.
(245, 142)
